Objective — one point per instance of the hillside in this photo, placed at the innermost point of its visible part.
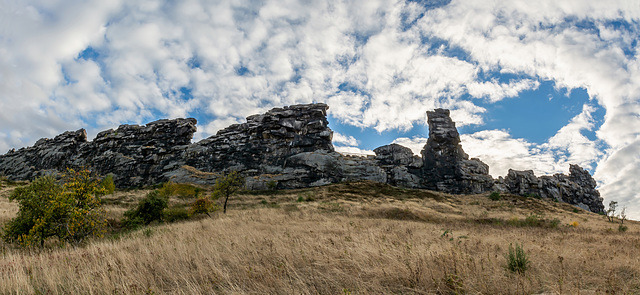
(346, 238)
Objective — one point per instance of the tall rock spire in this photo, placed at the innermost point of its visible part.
(446, 166)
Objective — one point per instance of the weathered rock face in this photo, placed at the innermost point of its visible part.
(45, 154)
(291, 147)
(264, 140)
(135, 155)
(401, 166)
(446, 166)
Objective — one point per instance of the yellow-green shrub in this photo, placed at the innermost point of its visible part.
(70, 211)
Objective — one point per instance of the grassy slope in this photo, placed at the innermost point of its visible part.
(358, 238)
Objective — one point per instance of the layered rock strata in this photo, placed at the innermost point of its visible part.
(290, 147)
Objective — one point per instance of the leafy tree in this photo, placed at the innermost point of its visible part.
(623, 215)
(148, 210)
(70, 211)
(611, 212)
(226, 186)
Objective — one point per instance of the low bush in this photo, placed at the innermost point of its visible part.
(148, 210)
(494, 196)
(176, 214)
(181, 190)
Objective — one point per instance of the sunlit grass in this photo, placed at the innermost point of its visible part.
(384, 241)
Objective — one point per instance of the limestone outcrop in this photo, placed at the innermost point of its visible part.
(289, 147)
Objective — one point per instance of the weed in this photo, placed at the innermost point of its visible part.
(622, 228)
(517, 260)
(147, 232)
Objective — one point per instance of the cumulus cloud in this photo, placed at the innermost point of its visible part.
(378, 63)
(415, 143)
(354, 151)
(344, 140)
(502, 152)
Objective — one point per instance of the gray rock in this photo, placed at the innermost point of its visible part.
(446, 167)
(290, 147)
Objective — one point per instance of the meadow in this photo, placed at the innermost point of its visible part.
(348, 238)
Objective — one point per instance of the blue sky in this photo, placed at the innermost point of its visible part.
(532, 85)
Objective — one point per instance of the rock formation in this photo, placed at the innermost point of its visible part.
(579, 188)
(135, 155)
(446, 166)
(290, 147)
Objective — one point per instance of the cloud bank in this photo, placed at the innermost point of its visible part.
(379, 64)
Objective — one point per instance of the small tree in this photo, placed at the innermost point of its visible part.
(70, 211)
(202, 205)
(108, 185)
(623, 215)
(611, 212)
(226, 186)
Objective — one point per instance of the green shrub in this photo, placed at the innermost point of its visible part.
(108, 185)
(272, 185)
(70, 211)
(182, 190)
(533, 195)
(148, 210)
(517, 260)
(622, 228)
(175, 214)
(533, 220)
(202, 206)
(300, 199)
(494, 196)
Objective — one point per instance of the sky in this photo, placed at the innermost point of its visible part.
(530, 84)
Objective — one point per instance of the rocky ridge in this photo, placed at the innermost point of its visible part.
(290, 147)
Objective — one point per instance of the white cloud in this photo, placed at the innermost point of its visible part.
(495, 91)
(619, 173)
(502, 152)
(581, 150)
(415, 143)
(344, 140)
(353, 151)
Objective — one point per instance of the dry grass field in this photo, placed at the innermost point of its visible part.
(352, 238)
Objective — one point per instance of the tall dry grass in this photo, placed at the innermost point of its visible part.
(341, 245)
